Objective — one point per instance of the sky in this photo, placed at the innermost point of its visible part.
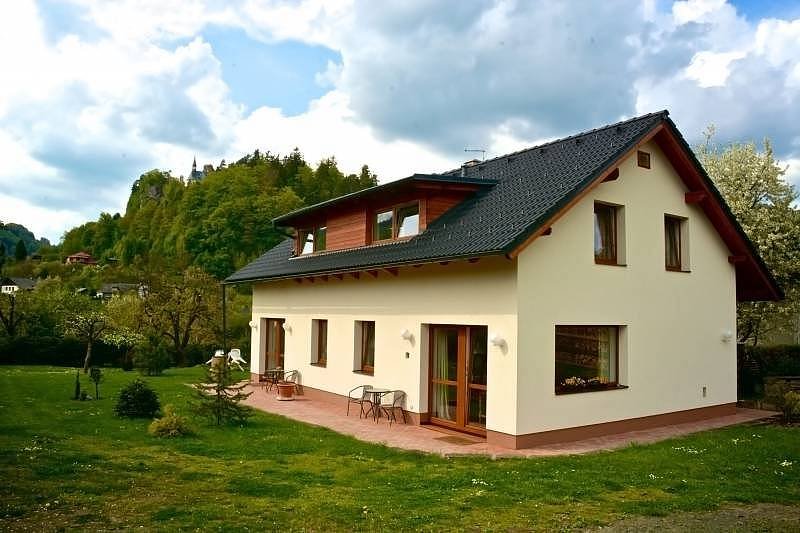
(95, 93)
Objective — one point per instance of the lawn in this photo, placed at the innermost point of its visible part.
(67, 464)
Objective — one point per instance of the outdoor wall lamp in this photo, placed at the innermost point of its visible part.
(406, 335)
(253, 325)
(497, 340)
(287, 328)
(727, 335)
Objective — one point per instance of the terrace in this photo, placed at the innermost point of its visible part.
(329, 413)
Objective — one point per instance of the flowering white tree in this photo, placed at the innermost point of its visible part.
(754, 186)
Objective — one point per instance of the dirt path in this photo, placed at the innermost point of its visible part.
(762, 517)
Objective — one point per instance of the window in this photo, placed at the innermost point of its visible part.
(676, 252)
(313, 240)
(672, 243)
(382, 227)
(365, 347)
(643, 159)
(605, 234)
(408, 220)
(587, 358)
(401, 221)
(319, 342)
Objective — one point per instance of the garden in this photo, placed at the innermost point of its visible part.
(76, 464)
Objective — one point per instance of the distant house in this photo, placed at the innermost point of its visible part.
(12, 285)
(81, 258)
(110, 289)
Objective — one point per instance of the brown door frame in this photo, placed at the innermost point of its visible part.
(461, 383)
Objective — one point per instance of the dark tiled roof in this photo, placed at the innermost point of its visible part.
(531, 186)
(22, 283)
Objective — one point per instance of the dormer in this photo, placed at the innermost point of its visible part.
(392, 212)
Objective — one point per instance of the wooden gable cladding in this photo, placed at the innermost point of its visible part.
(347, 229)
(349, 225)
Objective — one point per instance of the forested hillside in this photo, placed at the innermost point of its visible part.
(219, 223)
(11, 234)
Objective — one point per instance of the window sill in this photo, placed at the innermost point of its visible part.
(590, 389)
(320, 365)
(364, 372)
(596, 262)
(679, 270)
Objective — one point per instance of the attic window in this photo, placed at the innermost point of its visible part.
(312, 240)
(395, 223)
(643, 159)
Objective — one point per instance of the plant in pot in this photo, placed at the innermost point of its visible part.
(286, 390)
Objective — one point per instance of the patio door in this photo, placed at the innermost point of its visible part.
(458, 377)
(273, 342)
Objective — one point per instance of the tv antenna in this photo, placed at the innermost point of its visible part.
(477, 150)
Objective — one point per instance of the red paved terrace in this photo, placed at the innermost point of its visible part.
(430, 439)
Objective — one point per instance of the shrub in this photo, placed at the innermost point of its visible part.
(780, 395)
(151, 357)
(757, 362)
(169, 425)
(219, 396)
(137, 400)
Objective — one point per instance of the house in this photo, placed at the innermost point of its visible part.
(107, 290)
(80, 258)
(12, 285)
(583, 287)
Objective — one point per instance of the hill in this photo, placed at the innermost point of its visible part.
(11, 233)
(218, 223)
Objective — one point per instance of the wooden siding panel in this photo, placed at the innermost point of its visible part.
(438, 203)
(347, 230)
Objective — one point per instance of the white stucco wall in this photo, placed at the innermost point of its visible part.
(481, 293)
(674, 321)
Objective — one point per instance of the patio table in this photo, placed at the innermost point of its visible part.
(273, 375)
(376, 394)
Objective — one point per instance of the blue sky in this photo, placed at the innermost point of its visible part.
(96, 93)
(281, 74)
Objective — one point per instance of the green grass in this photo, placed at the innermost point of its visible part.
(68, 464)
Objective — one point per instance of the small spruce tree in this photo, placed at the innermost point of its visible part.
(97, 376)
(77, 385)
(219, 396)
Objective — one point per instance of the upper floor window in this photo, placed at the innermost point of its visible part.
(313, 240)
(400, 221)
(675, 244)
(605, 234)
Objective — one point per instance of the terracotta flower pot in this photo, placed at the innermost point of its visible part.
(285, 390)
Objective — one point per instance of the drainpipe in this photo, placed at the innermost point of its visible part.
(224, 322)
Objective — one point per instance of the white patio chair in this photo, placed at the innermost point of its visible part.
(235, 358)
(218, 353)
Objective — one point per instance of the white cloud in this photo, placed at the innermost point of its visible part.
(43, 222)
(418, 82)
(711, 69)
(330, 128)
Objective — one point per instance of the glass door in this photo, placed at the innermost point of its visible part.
(476, 377)
(273, 342)
(446, 346)
(458, 377)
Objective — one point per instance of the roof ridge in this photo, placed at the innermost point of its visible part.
(664, 113)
